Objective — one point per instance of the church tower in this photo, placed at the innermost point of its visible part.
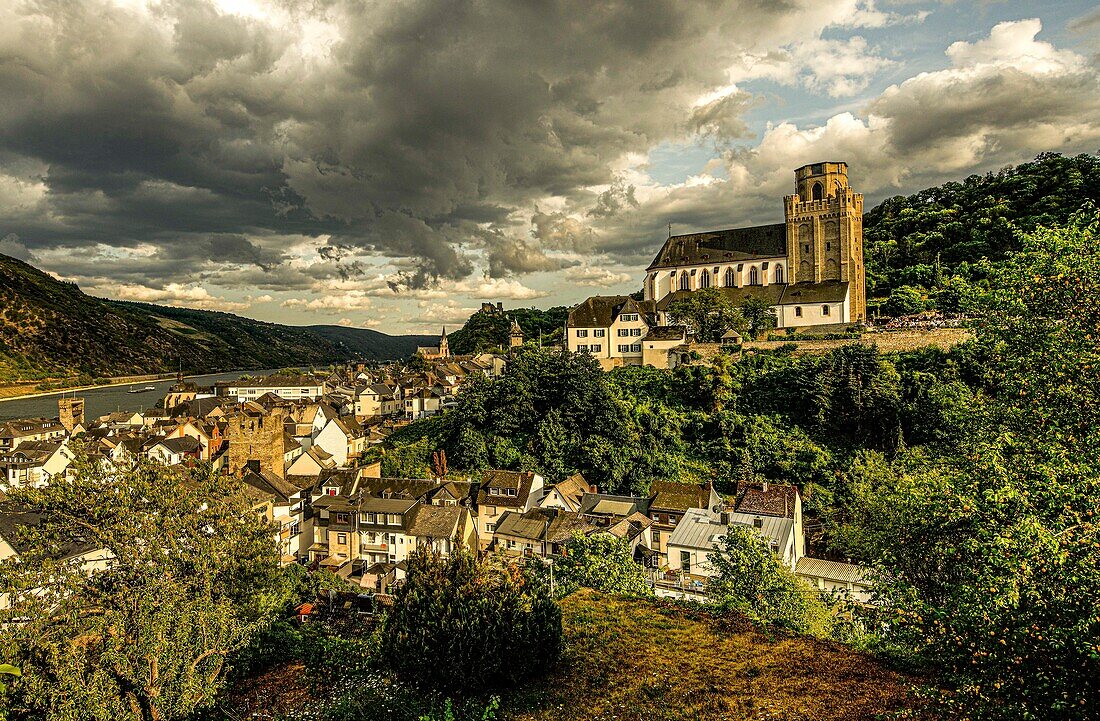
(444, 345)
(825, 232)
(515, 336)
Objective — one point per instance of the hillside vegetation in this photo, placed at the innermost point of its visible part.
(488, 332)
(644, 659)
(936, 247)
(51, 329)
(631, 659)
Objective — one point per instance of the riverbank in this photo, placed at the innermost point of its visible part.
(115, 396)
(12, 391)
(7, 395)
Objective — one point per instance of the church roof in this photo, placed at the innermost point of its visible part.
(723, 246)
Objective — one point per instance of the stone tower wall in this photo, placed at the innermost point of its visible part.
(258, 439)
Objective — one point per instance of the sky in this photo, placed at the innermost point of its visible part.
(392, 164)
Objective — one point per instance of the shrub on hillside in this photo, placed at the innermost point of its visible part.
(749, 578)
(601, 562)
(463, 624)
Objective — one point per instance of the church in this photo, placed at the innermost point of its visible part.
(809, 269)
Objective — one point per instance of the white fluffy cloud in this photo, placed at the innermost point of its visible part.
(188, 296)
(597, 277)
(836, 67)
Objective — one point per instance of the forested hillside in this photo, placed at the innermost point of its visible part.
(49, 328)
(933, 248)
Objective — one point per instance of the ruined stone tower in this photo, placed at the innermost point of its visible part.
(70, 411)
(256, 441)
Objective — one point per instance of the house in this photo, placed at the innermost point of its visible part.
(311, 463)
(696, 536)
(34, 463)
(14, 544)
(635, 530)
(122, 420)
(342, 438)
(568, 494)
(173, 451)
(304, 422)
(666, 346)
(610, 329)
(209, 435)
(278, 501)
(669, 501)
(605, 510)
(443, 527)
(423, 402)
(540, 532)
(285, 387)
(774, 500)
(378, 400)
(13, 433)
(701, 530)
(845, 580)
(502, 491)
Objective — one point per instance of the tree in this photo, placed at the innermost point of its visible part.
(551, 411)
(749, 578)
(905, 300)
(463, 624)
(989, 556)
(856, 396)
(759, 316)
(189, 579)
(709, 313)
(602, 562)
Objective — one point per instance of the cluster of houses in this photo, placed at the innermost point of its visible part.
(299, 445)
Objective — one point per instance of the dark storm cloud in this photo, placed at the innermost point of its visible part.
(415, 128)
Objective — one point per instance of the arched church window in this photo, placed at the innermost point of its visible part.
(754, 276)
(818, 192)
(778, 274)
(704, 280)
(731, 280)
(685, 281)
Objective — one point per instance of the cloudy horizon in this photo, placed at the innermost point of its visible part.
(391, 165)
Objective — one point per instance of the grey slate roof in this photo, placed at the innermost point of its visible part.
(697, 530)
(435, 521)
(723, 246)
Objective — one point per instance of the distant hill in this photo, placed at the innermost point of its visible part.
(49, 328)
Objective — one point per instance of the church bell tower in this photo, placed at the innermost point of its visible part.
(825, 232)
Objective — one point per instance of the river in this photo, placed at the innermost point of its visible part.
(101, 401)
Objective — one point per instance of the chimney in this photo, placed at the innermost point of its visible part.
(764, 485)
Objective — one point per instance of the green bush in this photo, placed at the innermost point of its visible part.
(601, 562)
(462, 625)
(749, 578)
(905, 300)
